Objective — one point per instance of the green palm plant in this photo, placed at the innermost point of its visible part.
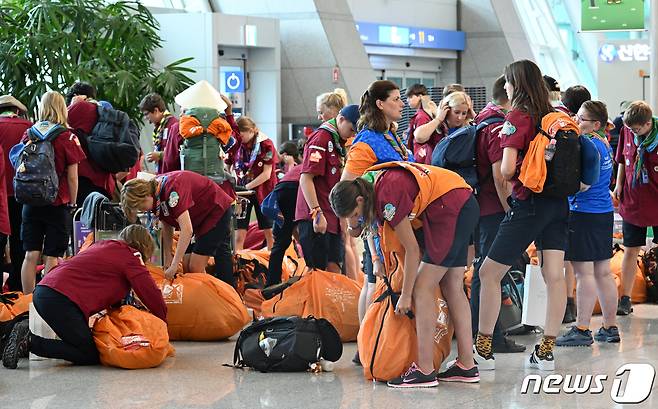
(48, 45)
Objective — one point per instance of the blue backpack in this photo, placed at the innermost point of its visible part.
(457, 151)
(36, 182)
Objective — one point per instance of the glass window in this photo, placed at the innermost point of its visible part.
(397, 80)
(411, 81)
(428, 82)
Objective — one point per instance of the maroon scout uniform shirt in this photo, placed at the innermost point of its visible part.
(489, 152)
(517, 132)
(102, 276)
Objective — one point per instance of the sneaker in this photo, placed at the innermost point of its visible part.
(414, 378)
(607, 335)
(508, 346)
(569, 314)
(575, 338)
(624, 307)
(17, 345)
(356, 360)
(544, 364)
(458, 374)
(483, 363)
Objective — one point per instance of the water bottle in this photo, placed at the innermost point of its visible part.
(550, 150)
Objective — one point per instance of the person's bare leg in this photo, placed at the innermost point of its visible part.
(269, 238)
(491, 273)
(585, 292)
(628, 269)
(240, 235)
(452, 288)
(197, 263)
(29, 271)
(427, 281)
(607, 291)
(49, 264)
(470, 256)
(570, 276)
(553, 272)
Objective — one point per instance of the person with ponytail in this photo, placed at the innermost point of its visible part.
(194, 205)
(381, 106)
(531, 217)
(590, 238)
(429, 213)
(330, 103)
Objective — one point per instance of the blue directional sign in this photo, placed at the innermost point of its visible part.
(234, 81)
(412, 37)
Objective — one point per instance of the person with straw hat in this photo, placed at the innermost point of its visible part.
(13, 125)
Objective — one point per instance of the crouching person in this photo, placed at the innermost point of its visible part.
(196, 206)
(68, 295)
(430, 213)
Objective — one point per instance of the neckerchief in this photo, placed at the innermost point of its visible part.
(331, 126)
(396, 144)
(157, 131)
(158, 196)
(244, 166)
(648, 144)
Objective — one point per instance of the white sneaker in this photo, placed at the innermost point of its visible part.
(483, 364)
(543, 364)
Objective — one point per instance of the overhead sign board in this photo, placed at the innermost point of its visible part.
(411, 37)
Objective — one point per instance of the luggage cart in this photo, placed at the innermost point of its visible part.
(108, 223)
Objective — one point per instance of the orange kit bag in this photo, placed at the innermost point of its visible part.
(132, 339)
(200, 307)
(387, 342)
(321, 294)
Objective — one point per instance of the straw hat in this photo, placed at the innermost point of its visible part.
(201, 95)
(8, 100)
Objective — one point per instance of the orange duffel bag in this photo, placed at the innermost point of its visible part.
(321, 294)
(132, 339)
(14, 307)
(200, 307)
(387, 342)
(639, 293)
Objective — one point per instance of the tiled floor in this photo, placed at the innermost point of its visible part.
(197, 379)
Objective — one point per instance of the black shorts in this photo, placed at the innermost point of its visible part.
(467, 221)
(263, 221)
(46, 229)
(366, 264)
(320, 249)
(207, 244)
(636, 236)
(590, 236)
(540, 219)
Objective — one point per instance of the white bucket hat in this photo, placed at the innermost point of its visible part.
(201, 95)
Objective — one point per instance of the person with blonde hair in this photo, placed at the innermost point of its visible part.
(194, 205)
(330, 103)
(69, 295)
(452, 113)
(46, 229)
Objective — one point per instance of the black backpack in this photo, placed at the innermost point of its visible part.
(287, 344)
(36, 182)
(457, 151)
(564, 170)
(114, 141)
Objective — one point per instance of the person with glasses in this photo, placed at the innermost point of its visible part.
(155, 111)
(590, 238)
(636, 189)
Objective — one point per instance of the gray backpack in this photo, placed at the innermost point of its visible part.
(36, 182)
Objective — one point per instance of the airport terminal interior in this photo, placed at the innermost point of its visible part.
(328, 204)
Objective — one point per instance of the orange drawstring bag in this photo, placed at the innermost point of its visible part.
(200, 307)
(190, 127)
(387, 342)
(321, 294)
(14, 306)
(132, 339)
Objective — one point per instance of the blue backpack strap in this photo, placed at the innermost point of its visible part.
(489, 121)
